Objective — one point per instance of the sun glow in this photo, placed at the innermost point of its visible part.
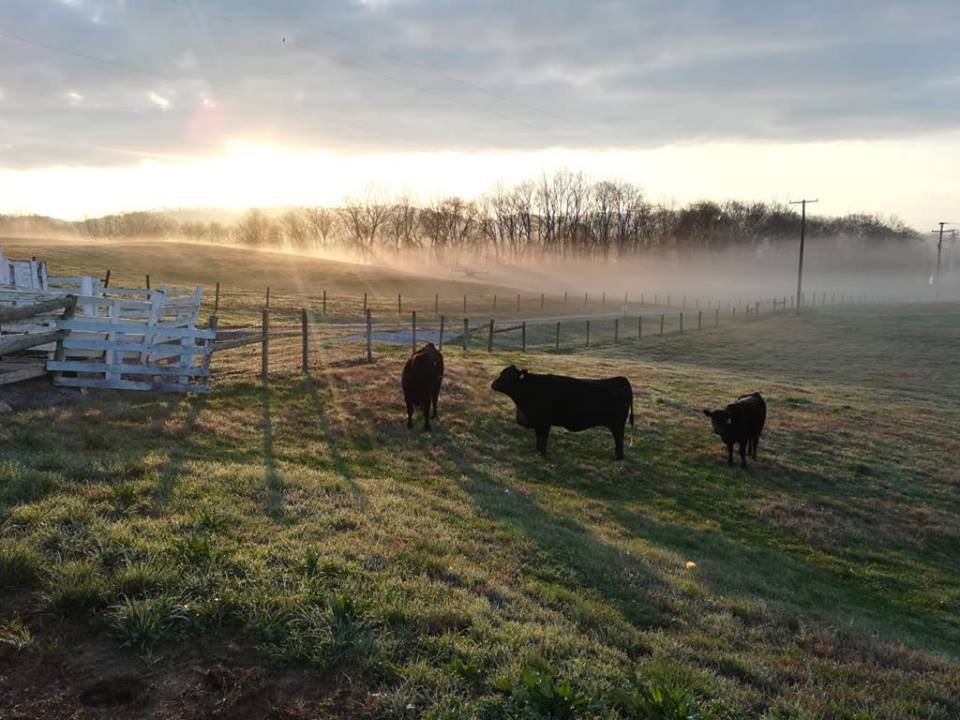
(864, 176)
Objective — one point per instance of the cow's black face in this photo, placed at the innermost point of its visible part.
(508, 379)
(720, 418)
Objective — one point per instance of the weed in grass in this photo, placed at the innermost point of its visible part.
(545, 694)
(77, 589)
(146, 622)
(20, 484)
(655, 702)
(140, 579)
(196, 549)
(334, 635)
(311, 562)
(16, 635)
(211, 519)
(95, 439)
(124, 496)
(20, 564)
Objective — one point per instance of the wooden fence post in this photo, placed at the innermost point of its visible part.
(413, 334)
(557, 342)
(757, 316)
(264, 343)
(466, 330)
(586, 299)
(641, 299)
(216, 299)
(443, 321)
(324, 306)
(588, 333)
(369, 336)
(699, 319)
(716, 319)
(399, 304)
(464, 303)
(625, 299)
(268, 297)
(306, 341)
(603, 300)
(490, 337)
(616, 330)
(518, 302)
(365, 305)
(148, 281)
(668, 301)
(523, 336)
(436, 303)
(661, 323)
(564, 298)
(681, 322)
(639, 327)
(106, 280)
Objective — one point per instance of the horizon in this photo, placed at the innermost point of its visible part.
(107, 107)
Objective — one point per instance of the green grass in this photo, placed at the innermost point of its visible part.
(457, 574)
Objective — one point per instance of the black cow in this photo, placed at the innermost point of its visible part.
(740, 422)
(546, 400)
(422, 376)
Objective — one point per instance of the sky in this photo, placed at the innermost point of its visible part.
(112, 105)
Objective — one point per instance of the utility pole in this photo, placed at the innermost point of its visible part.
(803, 231)
(936, 282)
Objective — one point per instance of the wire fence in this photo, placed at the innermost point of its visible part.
(306, 338)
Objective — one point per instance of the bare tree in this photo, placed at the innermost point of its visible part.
(295, 228)
(403, 224)
(255, 228)
(321, 224)
(363, 220)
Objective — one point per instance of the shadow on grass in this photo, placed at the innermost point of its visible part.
(341, 465)
(567, 552)
(762, 573)
(274, 481)
(180, 450)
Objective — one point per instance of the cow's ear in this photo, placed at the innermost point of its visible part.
(729, 421)
(707, 413)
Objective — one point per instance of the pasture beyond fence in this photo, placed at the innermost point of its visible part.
(360, 340)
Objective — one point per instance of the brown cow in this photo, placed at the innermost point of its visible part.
(421, 380)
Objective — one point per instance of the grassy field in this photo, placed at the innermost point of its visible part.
(293, 551)
(297, 281)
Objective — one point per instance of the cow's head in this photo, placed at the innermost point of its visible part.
(508, 380)
(721, 420)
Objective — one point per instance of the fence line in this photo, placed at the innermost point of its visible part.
(523, 335)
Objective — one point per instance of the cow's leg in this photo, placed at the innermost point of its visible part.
(426, 414)
(756, 442)
(436, 396)
(730, 454)
(543, 432)
(409, 414)
(743, 453)
(618, 441)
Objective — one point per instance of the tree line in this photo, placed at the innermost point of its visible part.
(562, 215)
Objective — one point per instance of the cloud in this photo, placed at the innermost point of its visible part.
(473, 75)
(158, 100)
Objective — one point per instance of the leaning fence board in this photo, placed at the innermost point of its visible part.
(26, 373)
(16, 343)
(22, 312)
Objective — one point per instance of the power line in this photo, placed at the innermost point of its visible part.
(803, 228)
(388, 76)
(85, 56)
